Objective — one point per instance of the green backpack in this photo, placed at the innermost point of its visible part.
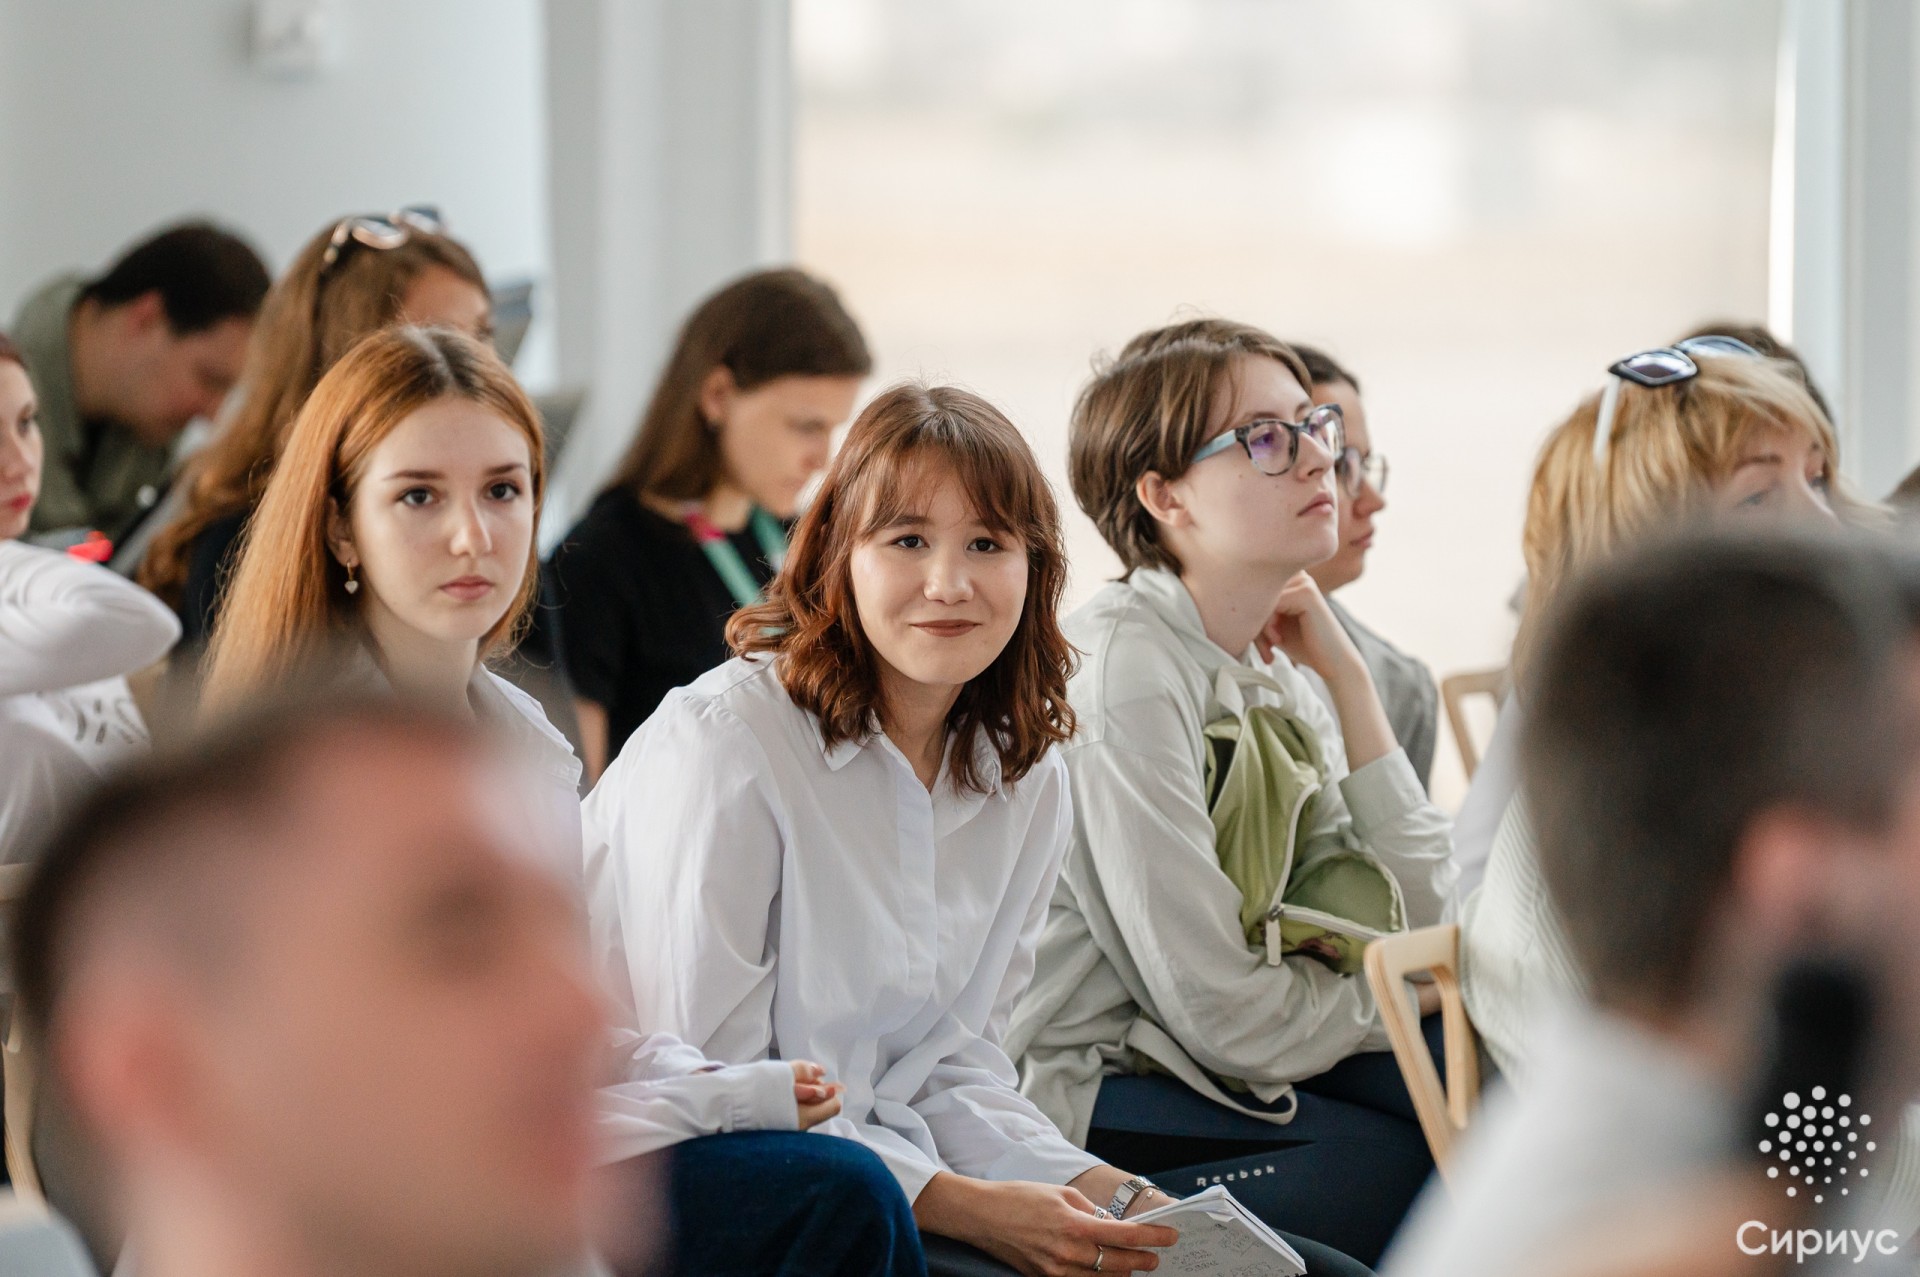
(1265, 774)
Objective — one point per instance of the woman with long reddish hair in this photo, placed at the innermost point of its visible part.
(395, 546)
(842, 844)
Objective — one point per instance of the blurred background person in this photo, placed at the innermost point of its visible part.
(356, 276)
(1722, 758)
(693, 523)
(397, 535)
(127, 360)
(1405, 684)
(70, 631)
(314, 995)
(1728, 436)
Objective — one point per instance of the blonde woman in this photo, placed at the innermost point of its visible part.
(1707, 430)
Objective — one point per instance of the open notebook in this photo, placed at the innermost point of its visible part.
(1221, 1238)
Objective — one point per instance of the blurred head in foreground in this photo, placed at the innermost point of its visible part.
(1723, 760)
(318, 1005)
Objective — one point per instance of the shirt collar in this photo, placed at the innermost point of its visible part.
(986, 758)
(492, 708)
(1165, 594)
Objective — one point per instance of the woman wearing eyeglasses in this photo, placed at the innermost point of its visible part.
(1227, 724)
(1406, 685)
(358, 275)
(1705, 429)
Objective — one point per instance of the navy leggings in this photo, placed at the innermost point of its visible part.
(1343, 1172)
(780, 1202)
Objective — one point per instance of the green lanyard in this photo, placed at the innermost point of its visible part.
(725, 556)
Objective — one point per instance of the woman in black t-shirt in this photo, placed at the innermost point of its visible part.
(693, 523)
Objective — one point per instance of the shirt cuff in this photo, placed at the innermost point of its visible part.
(764, 1101)
(1043, 1161)
(1383, 791)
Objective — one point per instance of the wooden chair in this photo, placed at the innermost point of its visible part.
(1454, 691)
(1444, 1112)
(18, 1070)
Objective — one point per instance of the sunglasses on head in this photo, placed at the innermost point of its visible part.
(1661, 366)
(1273, 445)
(381, 234)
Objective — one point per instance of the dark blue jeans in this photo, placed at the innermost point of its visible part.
(782, 1202)
(1343, 1172)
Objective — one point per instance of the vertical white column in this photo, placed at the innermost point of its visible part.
(669, 173)
(1843, 279)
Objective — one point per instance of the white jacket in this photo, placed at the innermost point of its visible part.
(1143, 949)
(70, 632)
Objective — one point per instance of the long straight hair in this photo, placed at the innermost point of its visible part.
(312, 317)
(288, 603)
(770, 324)
(908, 437)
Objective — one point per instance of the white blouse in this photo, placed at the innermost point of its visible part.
(70, 631)
(763, 897)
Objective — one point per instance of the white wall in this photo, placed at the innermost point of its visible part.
(116, 116)
(669, 168)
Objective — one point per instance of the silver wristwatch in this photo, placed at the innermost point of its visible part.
(1124, 1195)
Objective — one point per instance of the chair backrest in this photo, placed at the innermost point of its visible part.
(1454, 691)
(18, 1068)
(1443, 1112)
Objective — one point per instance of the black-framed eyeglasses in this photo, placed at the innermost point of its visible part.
(1357, 470)
(1661, 366)
(381, 234)
(1273, 445)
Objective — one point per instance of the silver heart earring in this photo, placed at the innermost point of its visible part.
(353, 586)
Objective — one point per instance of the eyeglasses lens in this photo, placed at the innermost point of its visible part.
(1269, 444)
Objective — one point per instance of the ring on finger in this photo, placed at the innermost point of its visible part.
(1099, 1257)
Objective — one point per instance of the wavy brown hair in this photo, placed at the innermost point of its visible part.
(909, 437)
(311, 318)
(288, 605)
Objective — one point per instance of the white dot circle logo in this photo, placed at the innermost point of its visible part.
(1815, 1144)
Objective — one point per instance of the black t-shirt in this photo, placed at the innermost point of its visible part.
(642, 610)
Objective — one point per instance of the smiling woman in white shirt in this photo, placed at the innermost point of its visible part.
(70, 631)
(1177, 1001)
(842, 844)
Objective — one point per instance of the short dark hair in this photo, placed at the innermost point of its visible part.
(1680, 693)
(204, 275)
(156, 823)
(1323, 368)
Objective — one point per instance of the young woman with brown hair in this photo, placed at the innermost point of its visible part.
(1178, 1001)
(693, 523)
(395, 539)
(355, 277)
(843, 843)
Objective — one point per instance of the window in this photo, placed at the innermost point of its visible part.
(1475, 204)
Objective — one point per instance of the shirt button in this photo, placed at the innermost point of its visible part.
(147, 495)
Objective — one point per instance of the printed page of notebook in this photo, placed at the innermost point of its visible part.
(1220, 1238)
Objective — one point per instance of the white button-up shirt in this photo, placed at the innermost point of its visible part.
(760, 896)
